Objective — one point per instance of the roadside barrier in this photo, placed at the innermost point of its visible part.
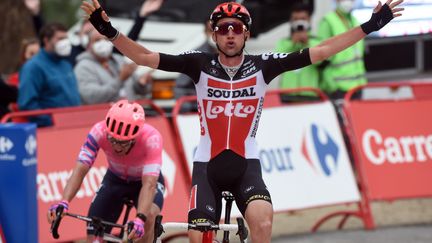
(392, 143)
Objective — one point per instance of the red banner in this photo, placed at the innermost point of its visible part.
(57, 153)
(394, 140)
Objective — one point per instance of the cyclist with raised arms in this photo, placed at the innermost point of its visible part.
(133, 150)
(230, 89)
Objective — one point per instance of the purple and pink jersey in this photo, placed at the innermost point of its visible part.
(145, 158)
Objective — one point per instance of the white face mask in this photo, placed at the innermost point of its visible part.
(346, 5)
(63, 47)
(103, 48)
(84, 40)
(300, 25)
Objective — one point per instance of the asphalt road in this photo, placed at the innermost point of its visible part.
(400, 234)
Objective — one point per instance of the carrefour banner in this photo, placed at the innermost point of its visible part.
(303, 156)
(395, 147)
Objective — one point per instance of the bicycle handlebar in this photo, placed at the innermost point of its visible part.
(56, 223)
(97, 222)
(240, 227)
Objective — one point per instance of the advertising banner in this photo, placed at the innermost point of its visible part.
(395, 149)
(18, 205)
(303, 156)
(58, 150)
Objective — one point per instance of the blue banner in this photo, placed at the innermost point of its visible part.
(18, 170)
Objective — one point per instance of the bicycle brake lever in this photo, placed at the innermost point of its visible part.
(130, 227)
(56, 223)
(242, 230)
(158, 228)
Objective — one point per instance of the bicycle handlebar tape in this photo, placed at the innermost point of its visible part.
(378, 20)
(103, 27)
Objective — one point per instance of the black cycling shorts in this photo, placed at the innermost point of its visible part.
(227, 171)
(109, 200)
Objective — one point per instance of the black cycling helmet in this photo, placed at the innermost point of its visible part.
(231, 10)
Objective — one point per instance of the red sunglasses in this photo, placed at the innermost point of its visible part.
(223, 29)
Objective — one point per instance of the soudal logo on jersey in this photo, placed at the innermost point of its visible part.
(220, 89)
(216, 93)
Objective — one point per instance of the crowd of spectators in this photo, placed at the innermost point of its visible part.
(52, 72)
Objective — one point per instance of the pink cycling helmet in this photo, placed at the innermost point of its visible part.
(124, 120)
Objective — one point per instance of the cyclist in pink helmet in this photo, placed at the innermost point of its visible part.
(133, 150)
(230, 87)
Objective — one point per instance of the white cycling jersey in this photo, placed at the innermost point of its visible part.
(230, 108)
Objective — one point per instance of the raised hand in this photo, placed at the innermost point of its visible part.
(99, 19)
(33, 6)
(382, 15)
(149, 6)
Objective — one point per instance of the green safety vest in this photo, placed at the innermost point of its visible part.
(303, 77)
(346, 69)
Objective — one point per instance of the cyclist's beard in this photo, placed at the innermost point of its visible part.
(239, 53)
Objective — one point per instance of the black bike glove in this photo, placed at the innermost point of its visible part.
(378, 20)
(102, 26)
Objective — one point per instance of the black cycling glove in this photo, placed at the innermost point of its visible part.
(102, 26)
(378, 20)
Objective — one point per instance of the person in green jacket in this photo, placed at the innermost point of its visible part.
(300, 23)
(346, 70)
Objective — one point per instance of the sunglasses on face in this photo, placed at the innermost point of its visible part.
(122, 143)
(223, 29)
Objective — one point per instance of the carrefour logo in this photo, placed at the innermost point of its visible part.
(31, 145)
(5, 144)
(320, 147)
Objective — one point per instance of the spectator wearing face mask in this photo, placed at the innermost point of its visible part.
(300, 38)
(47, 80)
(100, 72)
(147, 8)
(346, 69)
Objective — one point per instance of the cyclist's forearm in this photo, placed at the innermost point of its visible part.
(136, 52)
(75, 181)
(335, 44)
(146, 196)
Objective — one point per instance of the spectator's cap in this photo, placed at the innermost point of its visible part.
(124, 120)
(231, 10)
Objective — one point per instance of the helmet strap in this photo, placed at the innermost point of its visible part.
(131, 146)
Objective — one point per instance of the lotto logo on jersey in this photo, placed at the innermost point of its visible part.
(266, 56)
(214, 108)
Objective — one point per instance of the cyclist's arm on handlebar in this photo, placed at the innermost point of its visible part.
(147, 194)
(75, 181)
